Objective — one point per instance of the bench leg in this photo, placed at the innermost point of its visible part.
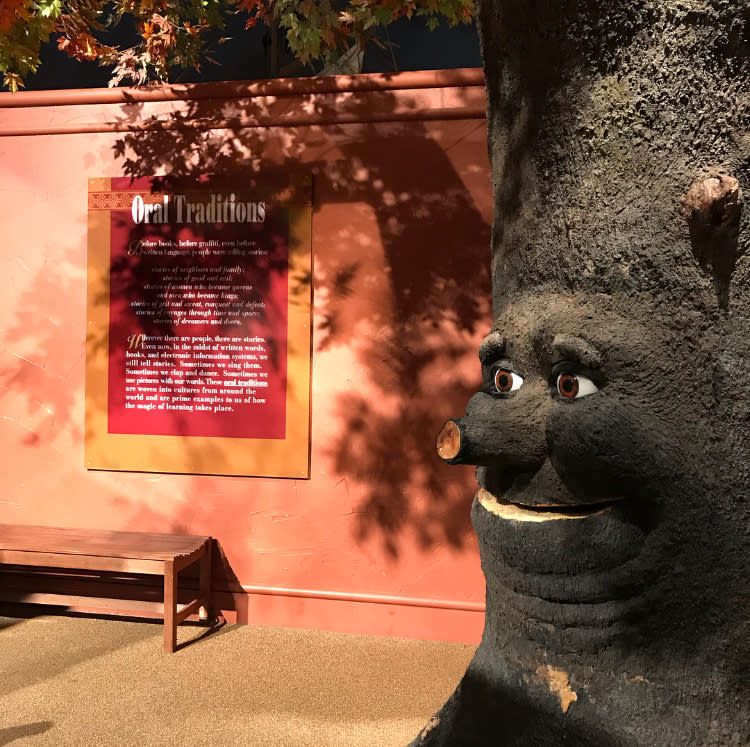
(170, 607)
(206, 595)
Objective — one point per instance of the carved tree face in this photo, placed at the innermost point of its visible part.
(612, 431)
(591, 435)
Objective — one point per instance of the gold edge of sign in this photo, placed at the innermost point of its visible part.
(288, 457)
(97, 326)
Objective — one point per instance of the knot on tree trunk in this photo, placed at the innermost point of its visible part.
(713, 207)
(714, 203)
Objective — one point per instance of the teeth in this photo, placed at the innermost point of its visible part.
(513, 512)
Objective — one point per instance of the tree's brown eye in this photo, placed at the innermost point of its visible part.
(567, 385)
(574, 386)
(503, 381)
(507, 381)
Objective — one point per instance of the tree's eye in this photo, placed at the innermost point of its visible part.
(574, 386)
(506, 381)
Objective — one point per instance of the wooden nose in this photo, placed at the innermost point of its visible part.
(449, 441)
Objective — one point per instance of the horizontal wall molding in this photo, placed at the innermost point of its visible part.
(20, 582)
(339, 596)
(301, 102)
(277, 87)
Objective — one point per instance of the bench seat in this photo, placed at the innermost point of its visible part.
(115, 551)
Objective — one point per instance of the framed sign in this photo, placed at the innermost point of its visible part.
(198, 329)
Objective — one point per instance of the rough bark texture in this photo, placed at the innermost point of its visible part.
(613, 509)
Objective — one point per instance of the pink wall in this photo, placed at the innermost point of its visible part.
(378, 540)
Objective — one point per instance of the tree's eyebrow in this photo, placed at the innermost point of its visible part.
(570, 346)
(493, 346)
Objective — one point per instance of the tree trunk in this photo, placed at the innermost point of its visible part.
(613, 426)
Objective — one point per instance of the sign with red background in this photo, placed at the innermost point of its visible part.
(198, 318)
(198, 310)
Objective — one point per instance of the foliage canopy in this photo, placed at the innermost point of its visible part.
(170, 34)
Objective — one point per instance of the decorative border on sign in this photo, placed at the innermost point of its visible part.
(201, 454)
(121, 200)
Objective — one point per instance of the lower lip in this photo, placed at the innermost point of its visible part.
(514, 512)
(549, 542)
(576, 569)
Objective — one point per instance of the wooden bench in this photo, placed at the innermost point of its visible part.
(119, 552)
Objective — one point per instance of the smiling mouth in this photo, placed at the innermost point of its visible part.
(520, 512)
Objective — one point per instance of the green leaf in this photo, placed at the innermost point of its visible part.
(50, 9)
(383, 16)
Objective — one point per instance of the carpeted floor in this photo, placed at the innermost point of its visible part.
(94, 681)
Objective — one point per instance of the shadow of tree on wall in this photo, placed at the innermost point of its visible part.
(436, 260)
(435, 291)
(35, 338)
